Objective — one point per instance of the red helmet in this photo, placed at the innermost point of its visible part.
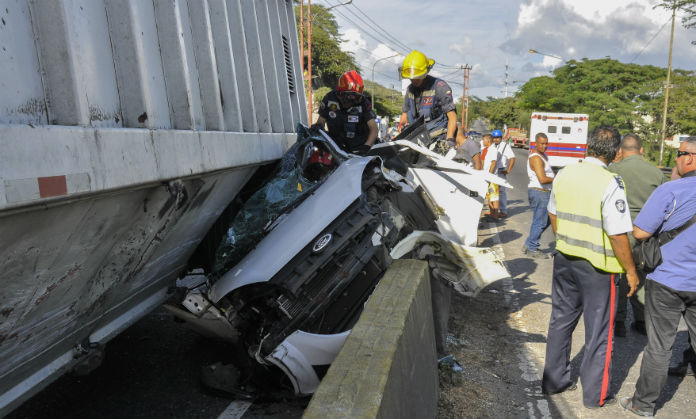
(350, 82)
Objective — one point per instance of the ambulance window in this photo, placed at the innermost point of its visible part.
(565, 130)
(552, 129)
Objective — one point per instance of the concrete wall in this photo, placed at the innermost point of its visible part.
(387, 368)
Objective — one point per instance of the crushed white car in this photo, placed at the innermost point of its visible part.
(292, 273)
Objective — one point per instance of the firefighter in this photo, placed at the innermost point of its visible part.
(349, 115)
(430, 97)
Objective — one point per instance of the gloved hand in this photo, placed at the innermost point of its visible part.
(362, 149)
(317, 127)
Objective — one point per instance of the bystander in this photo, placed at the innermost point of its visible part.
(641, 179)
(671, 288)
(491, 158)
(505, 163)
(540, 176)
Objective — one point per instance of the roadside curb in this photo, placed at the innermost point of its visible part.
(387, 367)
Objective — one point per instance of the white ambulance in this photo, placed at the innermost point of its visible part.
(567, 133)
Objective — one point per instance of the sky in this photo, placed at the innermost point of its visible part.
(490, 34)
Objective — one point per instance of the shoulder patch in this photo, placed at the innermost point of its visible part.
(619, 182)
(620, 205)
(440, 83)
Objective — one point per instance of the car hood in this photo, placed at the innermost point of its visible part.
(296, 229)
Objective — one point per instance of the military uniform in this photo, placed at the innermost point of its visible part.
(589, 203)
(347, 127)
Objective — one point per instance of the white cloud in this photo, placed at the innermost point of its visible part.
(353, 41)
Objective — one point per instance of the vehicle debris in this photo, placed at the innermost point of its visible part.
(308, 247)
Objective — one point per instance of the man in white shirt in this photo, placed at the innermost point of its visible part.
(491, 157)
(505, 164)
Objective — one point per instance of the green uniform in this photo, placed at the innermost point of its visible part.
(641, 179)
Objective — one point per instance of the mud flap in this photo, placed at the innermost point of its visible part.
(469, 269)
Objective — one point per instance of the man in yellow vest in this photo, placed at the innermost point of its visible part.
(590, 217)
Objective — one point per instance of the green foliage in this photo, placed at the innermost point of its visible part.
(328, 61)
(387, 101)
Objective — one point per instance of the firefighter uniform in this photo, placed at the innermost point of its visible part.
(590, 204)
(433, 99)
(347, 126)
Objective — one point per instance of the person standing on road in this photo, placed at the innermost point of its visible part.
(429, 97)
(490, 163)
(469, 150)
(641, 179)
(670, 290)
(540, 176)
(505, 164)
(349, 115)
(590, 218)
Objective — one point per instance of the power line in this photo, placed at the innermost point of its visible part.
(403, 48)
(361, 29)
(651, 39)
(390, 36)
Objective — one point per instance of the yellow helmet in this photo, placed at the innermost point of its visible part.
(416, 65)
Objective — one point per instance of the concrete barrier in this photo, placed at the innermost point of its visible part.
(387, 367)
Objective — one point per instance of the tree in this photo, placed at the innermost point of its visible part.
(687, 6)
(328, 61)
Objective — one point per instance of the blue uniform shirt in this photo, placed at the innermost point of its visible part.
(669, 207)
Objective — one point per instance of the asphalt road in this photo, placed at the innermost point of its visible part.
(530, 294)
(152, 370)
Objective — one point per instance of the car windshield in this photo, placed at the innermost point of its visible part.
(303, 168)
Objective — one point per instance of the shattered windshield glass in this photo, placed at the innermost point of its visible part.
(303, 167)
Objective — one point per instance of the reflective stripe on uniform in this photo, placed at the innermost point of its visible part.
(582, 219)
(587, 245)
(578, 192)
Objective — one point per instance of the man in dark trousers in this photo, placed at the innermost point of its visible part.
(641, 179)
(670, 290)
(590, 218)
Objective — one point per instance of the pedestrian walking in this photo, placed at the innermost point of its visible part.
(641, 178)
(590, 218)
(349, 115)
(670, 290)
(541, 177)
(505, 164)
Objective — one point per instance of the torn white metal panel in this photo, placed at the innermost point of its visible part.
(452, 193)
(469, 269)
(445, 163)
(283, 243)
(300, 351)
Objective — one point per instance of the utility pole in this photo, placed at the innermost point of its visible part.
(302, 38)
(465, 98)
(507, 75)
(669, 70)
(309, 59)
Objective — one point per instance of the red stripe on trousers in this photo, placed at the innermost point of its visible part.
(607, 359)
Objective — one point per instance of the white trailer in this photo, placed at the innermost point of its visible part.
(126, 128)
(567, 133)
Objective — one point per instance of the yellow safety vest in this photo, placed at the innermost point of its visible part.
(578, 191)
